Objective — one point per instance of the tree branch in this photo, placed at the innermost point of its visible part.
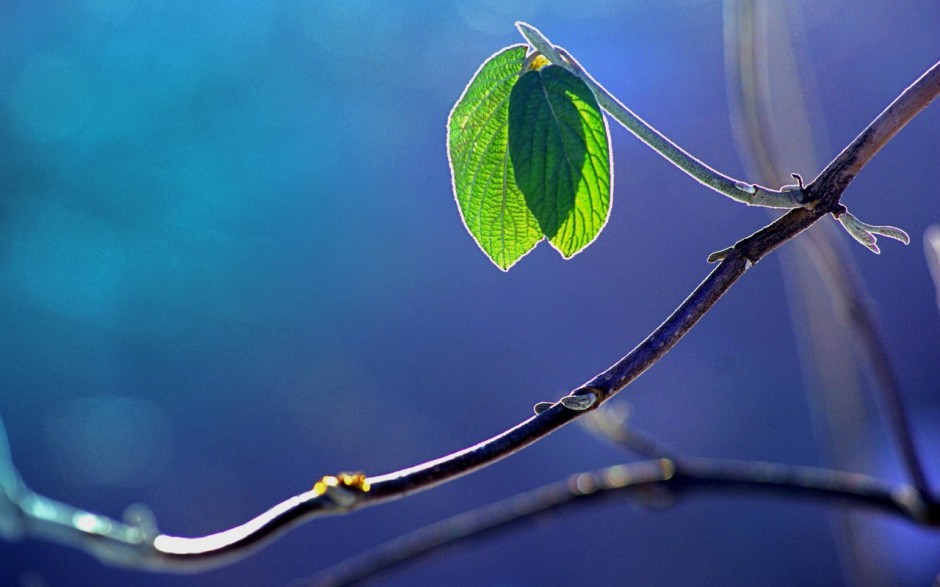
(121, 544)
(657, 481)
(653, 481)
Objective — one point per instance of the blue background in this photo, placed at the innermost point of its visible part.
(230, 262)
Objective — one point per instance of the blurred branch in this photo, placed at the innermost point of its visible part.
(610, 423)
(120, 544)
(746, 55)
(776, 131)
(12, 490)
(770, 99)
(932, 252)
(655, 482)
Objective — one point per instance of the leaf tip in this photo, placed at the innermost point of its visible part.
(893, 232)
(531, 34)
(865, 233)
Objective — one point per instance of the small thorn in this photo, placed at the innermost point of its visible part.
(799, 180)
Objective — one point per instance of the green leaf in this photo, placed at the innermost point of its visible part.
(560, 152)
(491, 205)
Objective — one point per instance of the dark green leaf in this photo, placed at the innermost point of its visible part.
(560, 153)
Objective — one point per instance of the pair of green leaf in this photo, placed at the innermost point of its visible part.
(529, 158)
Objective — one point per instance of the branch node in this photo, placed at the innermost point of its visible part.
(580, 402)
(669, 468)
(658, 493)
(913, 501)
(343, 489)
(141, 517)
(748, 188)
(584, 484)
(796, 192)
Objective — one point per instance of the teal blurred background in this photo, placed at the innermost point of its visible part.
(230, 262)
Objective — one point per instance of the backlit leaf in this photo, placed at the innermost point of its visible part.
(560, 153)
(491, 205)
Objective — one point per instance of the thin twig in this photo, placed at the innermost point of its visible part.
(333, 495)
(655, 481)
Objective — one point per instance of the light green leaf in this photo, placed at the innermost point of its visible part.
(560, 152)
(491, 205)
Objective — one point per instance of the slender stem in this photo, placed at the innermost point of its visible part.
(751, 194)
(660, 480)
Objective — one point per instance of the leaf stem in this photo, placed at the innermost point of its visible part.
(750, 194)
